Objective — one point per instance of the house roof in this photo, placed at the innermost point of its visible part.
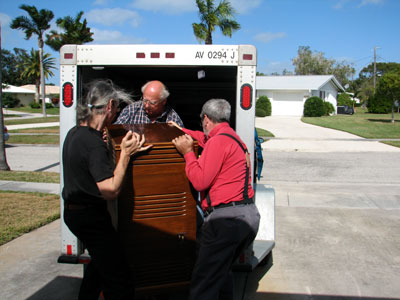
(49, 89)
(16, 90)
(296, 82)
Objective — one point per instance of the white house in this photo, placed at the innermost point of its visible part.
(25, 96)
(288, 93)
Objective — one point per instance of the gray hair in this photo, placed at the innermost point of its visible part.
(100, 92)
(217, 110)
(164, 91)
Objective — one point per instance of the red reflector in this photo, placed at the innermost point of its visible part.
(68, 94)
(69, 249)
(169, 55)
(68, 55)
(247, 56)
(246, 95)
(140, 55)
(242, 258)
(155, 55)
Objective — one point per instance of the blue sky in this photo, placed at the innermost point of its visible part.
(344, 30)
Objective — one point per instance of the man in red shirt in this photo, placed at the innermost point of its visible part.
(222, 175)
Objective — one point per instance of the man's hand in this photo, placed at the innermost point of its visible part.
(172, 123)
(132, 143)
(183, 143)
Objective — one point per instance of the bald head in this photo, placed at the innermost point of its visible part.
(155, 96)
(156, 89)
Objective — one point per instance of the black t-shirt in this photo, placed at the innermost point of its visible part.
(86, 161)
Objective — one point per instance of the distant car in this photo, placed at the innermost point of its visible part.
(345, 110)
(6, 135)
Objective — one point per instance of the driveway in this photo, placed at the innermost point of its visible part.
(291, 134)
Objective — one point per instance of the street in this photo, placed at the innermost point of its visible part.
(337, 225)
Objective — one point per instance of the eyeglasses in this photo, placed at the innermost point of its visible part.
(146, 101)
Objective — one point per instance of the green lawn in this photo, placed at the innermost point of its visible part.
(263, 133)
(30, 176)
(31, 120)
(22, 212)
(362, 123)
(34, 139)
(28, 109)
(51, 129)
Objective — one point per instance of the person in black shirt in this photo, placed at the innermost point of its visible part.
(89, 181)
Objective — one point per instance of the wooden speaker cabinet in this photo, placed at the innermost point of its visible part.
(157, 211)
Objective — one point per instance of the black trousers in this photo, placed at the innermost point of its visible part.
(108, 270)
(224, 235)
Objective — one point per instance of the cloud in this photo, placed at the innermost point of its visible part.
(101, 2)
(112, 36)
(5, 20)
(168, 6)
(113, 16)
(244, 6)
(366, 2)
(267, 37)
(340, 4)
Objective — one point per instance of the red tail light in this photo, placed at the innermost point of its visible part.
(68, 94)
(246, 96)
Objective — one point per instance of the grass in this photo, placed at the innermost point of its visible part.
(22, 212)
(28, 109)
(51, 129)
(264, 133)
(31, 120)
(362, 123)
(28, 176)
(34, 139)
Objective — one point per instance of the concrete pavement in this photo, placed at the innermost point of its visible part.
(27, 115)
(293, 135)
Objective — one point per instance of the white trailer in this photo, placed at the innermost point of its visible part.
(193, 74)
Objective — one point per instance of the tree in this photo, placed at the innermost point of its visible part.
(31, 66)
(212, 17)
(3, 159)
(389, 87)
(309, 63)
(363, 86)
(10, 67)
(37, 24)
(74, 32)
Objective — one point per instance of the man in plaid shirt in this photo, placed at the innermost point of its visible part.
(152, 108)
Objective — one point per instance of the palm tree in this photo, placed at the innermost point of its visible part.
(37, 24)
(74, 32)
(31, 66)
(212, 17)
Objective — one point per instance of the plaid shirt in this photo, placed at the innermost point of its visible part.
(135, 114)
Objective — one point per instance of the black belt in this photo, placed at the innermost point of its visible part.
(77, 206)
(210, 209)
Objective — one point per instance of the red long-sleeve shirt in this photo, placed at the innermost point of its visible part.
(221, 168)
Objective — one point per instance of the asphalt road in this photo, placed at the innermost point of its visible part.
(337, 224)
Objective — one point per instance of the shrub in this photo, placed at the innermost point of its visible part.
(344, 99)
(329, 108)
(264, 104)
(260, 113)
(10, 101)
(34, 105)
(379, 104)
(49, 105)
(314, 107)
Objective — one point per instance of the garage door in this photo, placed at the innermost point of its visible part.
(287, 104)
